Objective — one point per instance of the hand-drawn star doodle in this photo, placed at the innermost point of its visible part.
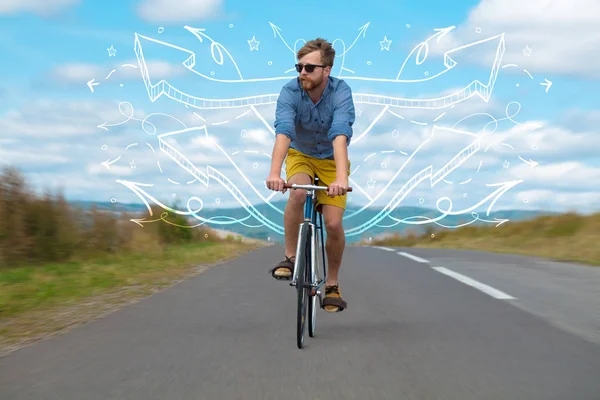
(111, 51)
(527, 51)
(385, 44)
(253, 43)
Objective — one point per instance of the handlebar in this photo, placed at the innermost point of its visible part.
(308, 187)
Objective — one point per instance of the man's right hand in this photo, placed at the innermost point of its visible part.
(275, 182)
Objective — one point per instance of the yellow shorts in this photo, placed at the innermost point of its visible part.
(297, 161)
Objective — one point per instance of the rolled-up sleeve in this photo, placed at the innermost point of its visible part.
(285, 115)
(343, 113)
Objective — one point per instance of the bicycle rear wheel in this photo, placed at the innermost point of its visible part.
(302, 283)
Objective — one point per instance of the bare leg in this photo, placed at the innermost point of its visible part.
(294, 213)
(336, 241)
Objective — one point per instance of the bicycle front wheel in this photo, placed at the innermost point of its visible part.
(311, 274)
(302, 283)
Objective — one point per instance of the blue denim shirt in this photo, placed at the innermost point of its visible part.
(312, 127)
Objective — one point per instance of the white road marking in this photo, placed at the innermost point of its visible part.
(383, 248)
(414, 258)
(477, 285)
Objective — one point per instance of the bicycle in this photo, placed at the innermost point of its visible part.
(308, 278)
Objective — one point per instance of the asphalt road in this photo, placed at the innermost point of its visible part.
(413, 330)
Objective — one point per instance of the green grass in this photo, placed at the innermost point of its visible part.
(566, 237)
(29, 288)
(43, 300)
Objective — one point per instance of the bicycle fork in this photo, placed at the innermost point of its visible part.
(298, 255)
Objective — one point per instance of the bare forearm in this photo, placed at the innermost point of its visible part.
(282, 144)
(340, 154)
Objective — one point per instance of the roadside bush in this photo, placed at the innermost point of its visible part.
(46, 228)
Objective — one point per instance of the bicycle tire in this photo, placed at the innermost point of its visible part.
(312, 301)
(303, 294)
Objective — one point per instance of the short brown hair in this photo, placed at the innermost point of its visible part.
(327, 50)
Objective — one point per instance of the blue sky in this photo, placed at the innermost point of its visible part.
(49, 117)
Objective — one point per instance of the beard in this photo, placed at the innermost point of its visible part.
(309, 84)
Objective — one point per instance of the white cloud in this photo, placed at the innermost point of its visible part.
(52, 119)
(382, 175)
(164, 11)
(40, 7)
(540, 141)
(201, 160)
(581, 202)
(260, 136)
(569, 174)
(563, 35)
(112, 170)
(77, 72)
(37, 160)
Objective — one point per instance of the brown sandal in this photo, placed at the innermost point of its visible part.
(279, 271)
(332, 302)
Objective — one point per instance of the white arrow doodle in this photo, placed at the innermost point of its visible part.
(497, 221)
(213, 173)
(421, 220)
(503, 187)
(362, 31)
(135, 187)
(548, 84)
(412, 183)
(142, 221)
(91, 83)
(252, 88)
(495, 196)
(277, 32)
(460, 157)
(427, 173)
(530, 162)
(145, 196)
(199, 33)
(434, 177)
(424, 46)
(107, 163)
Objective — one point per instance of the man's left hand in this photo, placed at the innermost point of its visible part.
(338, 188)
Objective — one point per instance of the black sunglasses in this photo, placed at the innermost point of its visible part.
(308, 67)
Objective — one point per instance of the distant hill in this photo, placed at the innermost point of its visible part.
(264, 233)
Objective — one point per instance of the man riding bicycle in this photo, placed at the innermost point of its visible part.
(313, 125)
